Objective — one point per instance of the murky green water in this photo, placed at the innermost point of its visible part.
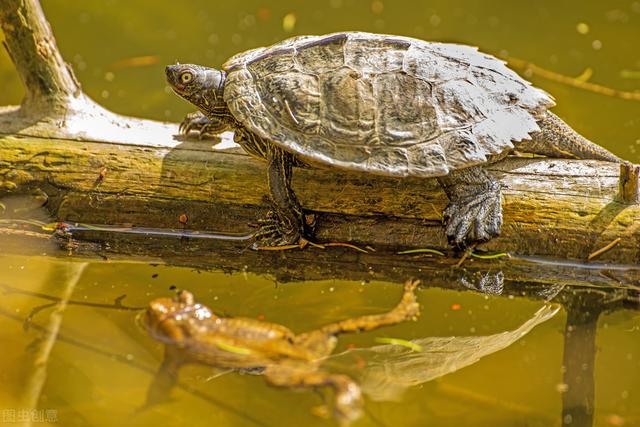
(486, 359)
(101, 364)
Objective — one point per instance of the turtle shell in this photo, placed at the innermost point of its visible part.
(383, 104)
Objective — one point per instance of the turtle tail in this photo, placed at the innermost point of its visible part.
(558, 139)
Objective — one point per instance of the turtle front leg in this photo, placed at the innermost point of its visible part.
(286, 224)
(474, 213)
(202, 125)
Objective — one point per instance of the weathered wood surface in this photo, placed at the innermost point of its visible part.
(555, 208)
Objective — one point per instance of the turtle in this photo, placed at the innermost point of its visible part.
(378, 104)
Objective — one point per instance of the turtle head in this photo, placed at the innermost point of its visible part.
(202, 86)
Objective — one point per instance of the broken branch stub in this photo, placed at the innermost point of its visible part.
(629, 191)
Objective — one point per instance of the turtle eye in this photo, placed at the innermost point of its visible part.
(186, 77)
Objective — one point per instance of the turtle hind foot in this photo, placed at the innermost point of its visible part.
(199, 124)
(474, 218)
(474, 213)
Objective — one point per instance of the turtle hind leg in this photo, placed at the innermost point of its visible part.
(474, 212)
(557, 139)
(286, 224)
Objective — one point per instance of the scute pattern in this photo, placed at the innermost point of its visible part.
(405, 114)
(348, 113)
(293, 99)
(375, 55)
(275, 63)
(383, 104)
(322, 56)
(462, 103)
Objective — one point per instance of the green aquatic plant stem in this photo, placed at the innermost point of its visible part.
(233, 348)
(398, 341)
(421, 251)
(489, 256)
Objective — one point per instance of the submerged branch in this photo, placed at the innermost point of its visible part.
(577, 82)
(68, 275)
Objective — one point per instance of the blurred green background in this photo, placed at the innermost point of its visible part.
(118, 48)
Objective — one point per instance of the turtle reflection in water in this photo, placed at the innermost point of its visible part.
(194, 334)
(378, 104)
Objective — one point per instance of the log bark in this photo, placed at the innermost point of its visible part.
(553, 208)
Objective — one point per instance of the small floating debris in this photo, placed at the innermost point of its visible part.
(464, 256)
(277, 248)
(604, 249)
(345, 245)
(289, 22)
(470, 252)
(304, 243)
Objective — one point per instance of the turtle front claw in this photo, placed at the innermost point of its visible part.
(200, 124)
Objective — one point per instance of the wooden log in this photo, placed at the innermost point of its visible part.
(93, 166)
(553, 208)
